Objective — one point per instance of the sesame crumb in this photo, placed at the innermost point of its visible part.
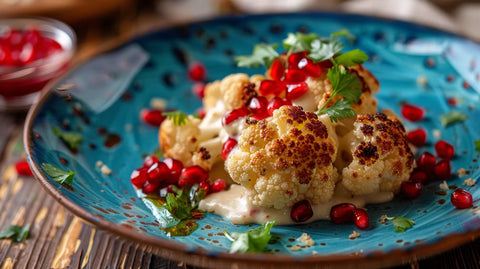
(461, 172)
(306, 239)
(314, 252)
(444, 185)
(353, 235)
(422, 80)
(105, 170)
(295, 248)
(437, 133)
(469, 182)
(99, 163)
(158, 103)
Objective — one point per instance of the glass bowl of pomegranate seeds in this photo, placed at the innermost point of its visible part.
(33, 51)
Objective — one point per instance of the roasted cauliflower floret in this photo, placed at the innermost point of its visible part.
(286, 158)
(382, 159)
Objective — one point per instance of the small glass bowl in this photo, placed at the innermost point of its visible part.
(19, 85)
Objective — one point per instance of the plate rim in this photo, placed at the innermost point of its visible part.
(219, 259)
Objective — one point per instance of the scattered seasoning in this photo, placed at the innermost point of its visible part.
(444, 185)
(461, 172)
(422, 80)
(306, 240)
(105, 170)
(437, 133)
(158, 103)
(470, 182)
(295, 248)
(353, 235)
(452, 117)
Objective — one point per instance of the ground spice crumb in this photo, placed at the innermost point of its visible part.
(437, 133)
(422, 80)
(295, 248)
(353, 235)
(461, 172)
(469, 182)
(314, 252)
(105, 170)
(306, 239)
(158, 103)
(444, 185)
(99, 163)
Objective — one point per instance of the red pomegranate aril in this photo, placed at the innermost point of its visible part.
(23, 168)
(277, 70)
(295, 76)
(272, 88)
(228, 146)
(326, 64)
(360, 218)
(417, 137)
(258, 106)
(412, 113)
(411, 189)
(149, 161)
(274, 104)
(199, 89)
(192, 175)
(442, 170)
(152, 117)
(175, 167)
(426, 162)
(150, 188)
(342, 213)
(444, 150)
(461, 199)
(197, 72)
(234, 115)
(312, 69)
(296, 90)
(31, 36)
(139, 177)
(218, 185)
(419, 176)
(157, 173)
(201, 113)
(301, 211)
(295, 58)
(204, 185)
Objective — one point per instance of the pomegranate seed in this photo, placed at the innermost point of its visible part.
(452, 101)
(412, 113)
(14, 38)
(150, 188)
(426, 162)
(23, 168)
(360, 218)
(277, 70)
(218, 185)
(32, 36)
(228, 146)
(342, 213)
(26, 54)
(326, 64)
(417, 137)
(419, 176)
(157, 173)
(272, 88)
(149, 161)
(411, 189)
(153, 117)
(295, 76)
(258, 106)
(295, 58)
(461, 199)
(301, 211)
(192, 175)
(139, 177)
(175, 167)
(444, 150)
(234, 115)
(201, 113)
(204, 185)
(274, 104)
(312, 69)
(442, 170)
(297, 90)
(197, 72)
(199, 89)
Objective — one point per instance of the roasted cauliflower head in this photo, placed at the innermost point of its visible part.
(286, 158)
(382, 158)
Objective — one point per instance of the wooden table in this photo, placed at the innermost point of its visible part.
(58, 239)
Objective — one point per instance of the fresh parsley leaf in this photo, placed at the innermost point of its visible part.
(477, 145)
(254, 240)
(58, 175)
(341, 109)
(184, 227)
(178, 117)
(71, 139)
(299, 42)
(186, 200)
(351, 58)
(15, 232)
(400, 223)
(452, 117)
(325, 48)
(344, 83)
(263, 54)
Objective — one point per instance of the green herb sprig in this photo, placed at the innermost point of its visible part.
(452, 117)
(254, 240)
(59, 175)
(71, 139)
(400, 224)
(15, 232)
(477, 145)
(179, 118)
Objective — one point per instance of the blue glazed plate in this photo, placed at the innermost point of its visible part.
(102, 98)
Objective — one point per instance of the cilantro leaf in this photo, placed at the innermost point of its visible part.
(263, 54)
(58, 175)
(71, 139)
(254, 240)
(299, 42)
(341, 109)
(477, 145)
(178, 117)
(325, 48)
(15, 232)
(184, 202)
(452, 117)
(351, 58)
(344, 83)
(400, 223)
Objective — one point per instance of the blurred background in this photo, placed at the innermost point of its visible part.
(95, 21)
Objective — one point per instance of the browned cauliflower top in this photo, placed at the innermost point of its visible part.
(286, 158)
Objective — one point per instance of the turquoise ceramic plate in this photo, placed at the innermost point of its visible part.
(101, 99)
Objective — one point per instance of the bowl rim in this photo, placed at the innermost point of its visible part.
(202, 257)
